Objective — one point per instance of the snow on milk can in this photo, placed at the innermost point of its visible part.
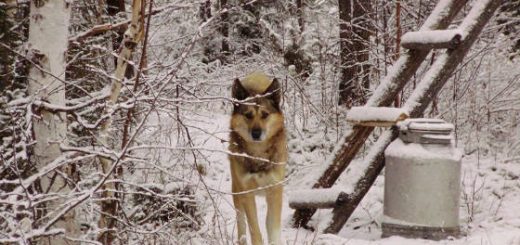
(422, 181)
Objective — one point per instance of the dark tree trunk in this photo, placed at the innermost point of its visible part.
(224, 28)
(354, 33)
(301, 20)
(397, 102)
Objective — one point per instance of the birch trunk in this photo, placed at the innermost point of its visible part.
(48, 39)
(132, 37)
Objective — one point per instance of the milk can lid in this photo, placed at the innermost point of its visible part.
(425, 131)
(437, 126)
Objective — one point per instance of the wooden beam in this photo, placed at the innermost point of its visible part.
(317, 198)
(404, 68)
(429, 86)
(376, 116)
(426, 40)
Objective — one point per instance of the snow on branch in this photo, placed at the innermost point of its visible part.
(376, 116)
(436, 39)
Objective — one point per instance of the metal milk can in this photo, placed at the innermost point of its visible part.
(422, 181)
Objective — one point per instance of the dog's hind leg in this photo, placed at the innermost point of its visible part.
(274, 213)
(249, 205)
(241, 221)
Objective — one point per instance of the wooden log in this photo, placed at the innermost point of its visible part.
(437, 39)
(429, 86)
(317, 198)
(404, 68)
(376, 116)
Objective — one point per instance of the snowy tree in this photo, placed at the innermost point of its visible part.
(146, 161)
(47, 45)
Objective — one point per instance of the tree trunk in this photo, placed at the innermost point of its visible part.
(301, 20)
(48, 39)
(113, 8)
(111, 205)
(224, 28)
(397, 102)
(132, 37)
(354, 33)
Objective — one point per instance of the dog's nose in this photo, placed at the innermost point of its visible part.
(256, 133)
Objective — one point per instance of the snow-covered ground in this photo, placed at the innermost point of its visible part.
(490, 211)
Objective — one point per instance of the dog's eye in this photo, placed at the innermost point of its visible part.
(249, 115)
(264, 115)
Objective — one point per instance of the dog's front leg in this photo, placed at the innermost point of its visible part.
(241, 220)
(249, 205)
(274, 213)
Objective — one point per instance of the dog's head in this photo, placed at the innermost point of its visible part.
(258, 116)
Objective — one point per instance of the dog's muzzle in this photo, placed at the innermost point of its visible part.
(256, 133)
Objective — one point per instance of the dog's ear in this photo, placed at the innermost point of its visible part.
(276, 92)
(238, 91)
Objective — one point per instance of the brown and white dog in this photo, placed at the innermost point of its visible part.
(259, 147)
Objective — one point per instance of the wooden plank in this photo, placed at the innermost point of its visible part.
(429, 87)
(426, 40)
(316, 198)
(404, 68)
(376, 116)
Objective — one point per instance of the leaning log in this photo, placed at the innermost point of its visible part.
(399, 74)
(428, 88)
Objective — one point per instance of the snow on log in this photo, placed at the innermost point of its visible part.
(376, 116)
(436, 39)
(317, 198)
(446, 63)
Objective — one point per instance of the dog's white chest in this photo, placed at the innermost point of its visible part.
(262, 179)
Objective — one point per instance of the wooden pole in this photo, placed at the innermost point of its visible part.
(426, 40)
